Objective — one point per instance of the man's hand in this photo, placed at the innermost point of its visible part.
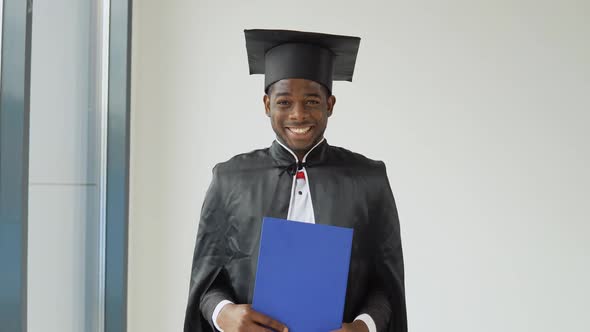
(356, 326)
(242, 318)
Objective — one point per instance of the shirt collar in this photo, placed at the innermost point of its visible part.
(283, 155)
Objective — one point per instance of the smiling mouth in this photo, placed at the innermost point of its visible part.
(299, 130)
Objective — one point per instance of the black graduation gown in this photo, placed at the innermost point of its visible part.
(347, 189)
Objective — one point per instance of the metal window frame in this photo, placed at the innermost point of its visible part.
(1, 19)
(114, 107)
(114, 92)
(15, 81)
(117, 164)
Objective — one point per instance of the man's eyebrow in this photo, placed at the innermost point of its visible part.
(280, 94)
(312, 95)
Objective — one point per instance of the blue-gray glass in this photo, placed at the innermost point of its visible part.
(118, 167)
(14, 125)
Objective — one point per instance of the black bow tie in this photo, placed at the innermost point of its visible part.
(294, 167)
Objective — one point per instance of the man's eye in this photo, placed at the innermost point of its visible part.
(312, 102)
(283, 102)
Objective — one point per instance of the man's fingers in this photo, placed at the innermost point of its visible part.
(253, 327)
(267, 321)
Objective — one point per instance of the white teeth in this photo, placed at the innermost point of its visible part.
(300, 130)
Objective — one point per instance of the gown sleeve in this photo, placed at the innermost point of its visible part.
(385, 301)
(217, 292)
(210, 255)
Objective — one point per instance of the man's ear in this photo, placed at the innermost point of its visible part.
(266, 101)
(331, 103)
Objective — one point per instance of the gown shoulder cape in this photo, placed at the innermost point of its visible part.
(347, 189)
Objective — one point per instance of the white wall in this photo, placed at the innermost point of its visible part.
(63, 192)
(480, 109)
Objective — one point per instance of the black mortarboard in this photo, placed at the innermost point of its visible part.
(280, 54)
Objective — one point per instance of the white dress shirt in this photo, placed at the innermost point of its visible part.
(300, 209)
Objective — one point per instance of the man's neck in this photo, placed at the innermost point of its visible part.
(300, 155)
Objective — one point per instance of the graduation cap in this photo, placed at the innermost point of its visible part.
(280, 54)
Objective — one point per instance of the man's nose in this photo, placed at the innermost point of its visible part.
(298, 112)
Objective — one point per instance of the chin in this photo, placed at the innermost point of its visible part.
(299, 146)
(304, 147)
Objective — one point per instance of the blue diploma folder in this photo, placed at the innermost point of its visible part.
(302, 274)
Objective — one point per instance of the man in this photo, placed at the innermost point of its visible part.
(300, 177)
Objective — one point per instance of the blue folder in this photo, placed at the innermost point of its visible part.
(302, 274)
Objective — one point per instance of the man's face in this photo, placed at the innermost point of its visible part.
(298, 111)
